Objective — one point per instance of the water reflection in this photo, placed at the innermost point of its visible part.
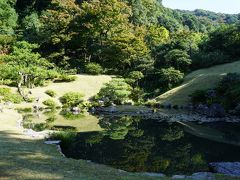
(138, 145)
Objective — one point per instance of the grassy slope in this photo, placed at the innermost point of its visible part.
(198, 80)
(85, 84)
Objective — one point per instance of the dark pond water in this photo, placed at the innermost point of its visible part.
(138, 145)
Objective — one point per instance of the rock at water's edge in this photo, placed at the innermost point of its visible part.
(227, 168)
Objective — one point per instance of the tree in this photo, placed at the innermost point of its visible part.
(8, 17)
(169, 78)
(145, 12)
(134, 77)
(107, 36)
(178, 59)
(157, 35)
(26, 67)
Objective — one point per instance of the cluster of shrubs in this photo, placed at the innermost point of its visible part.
(227, 94)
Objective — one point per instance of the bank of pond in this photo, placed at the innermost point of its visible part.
(140, 144)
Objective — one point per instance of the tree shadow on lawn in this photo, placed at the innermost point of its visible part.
(31, 159)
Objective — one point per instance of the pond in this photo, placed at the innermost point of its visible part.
(135, 144)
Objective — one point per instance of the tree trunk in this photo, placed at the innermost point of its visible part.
(19, 86)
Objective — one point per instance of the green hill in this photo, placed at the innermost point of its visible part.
(198, 80)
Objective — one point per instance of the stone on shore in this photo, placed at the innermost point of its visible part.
(227, 168)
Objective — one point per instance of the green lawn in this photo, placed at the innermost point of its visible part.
(198, 80)
(22, 157)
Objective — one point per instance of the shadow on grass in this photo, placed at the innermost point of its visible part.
(31, 159)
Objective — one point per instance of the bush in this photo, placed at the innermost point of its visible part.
(51, 119)
(199, 96)
(66, 138)
(40, 127)
(6, 95)
(50, 103)
(51, 93)
(93, 68)
(66, 78)
(116, 91)
(24, 110)
(71, 99)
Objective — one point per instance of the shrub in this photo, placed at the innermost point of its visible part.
(199, 96)
(51, 93)
(50, 103)
(30, 99)
(71, 99)
(65, 137)
(93, 68)
(51, 119)
(24, 110)
(66, 78)
(40, 127)
(7, 95)
(116, 91)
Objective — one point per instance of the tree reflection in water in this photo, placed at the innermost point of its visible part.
(137, 145)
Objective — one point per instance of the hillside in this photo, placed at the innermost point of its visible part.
(198, 80)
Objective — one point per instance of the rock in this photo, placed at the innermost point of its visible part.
(227, 168)
(179, 177)
(202, 175)
(168, 106)
(52, 142)
(202, 109)
(76, 109)
(153, 174)
(113, 109)
(216, 110)
(236, 110)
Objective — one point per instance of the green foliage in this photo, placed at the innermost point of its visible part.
(138, 39)
(117, 91)
(66, 78)
(222, 46)
(40, 127)
(178, 59)
(8, 17)
(226, 93)
(6, 95)
(134, 77)
(93, 68)
(229, 90)
(50, 103)
(51, 93)
(71, 116)
(170, 77)
(71, 99)
(24, 110)
(145, 11)
(199, 96)
(65, 137)
(23, 59)
(51, 119)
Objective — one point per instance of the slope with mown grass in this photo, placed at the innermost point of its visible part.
(88, 85)
(198, 80)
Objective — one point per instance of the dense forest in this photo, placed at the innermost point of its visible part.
(151, 47)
